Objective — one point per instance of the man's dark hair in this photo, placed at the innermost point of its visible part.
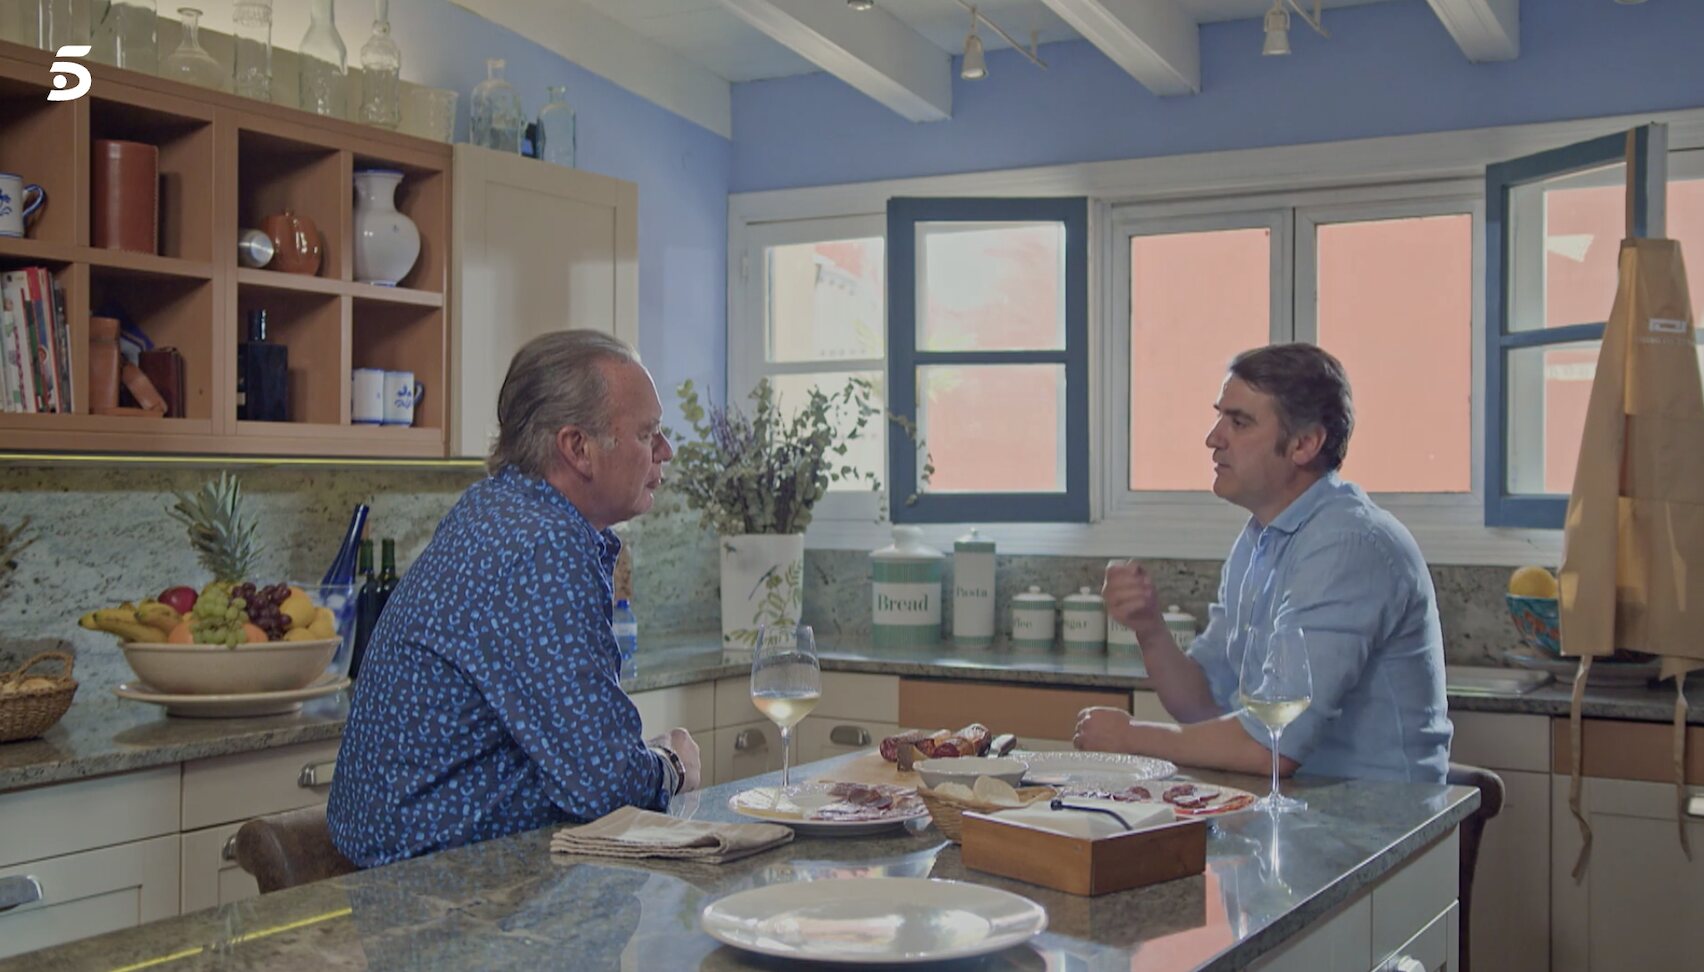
(1310, 388)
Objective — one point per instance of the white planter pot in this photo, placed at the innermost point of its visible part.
(386, 242)
(763, 583)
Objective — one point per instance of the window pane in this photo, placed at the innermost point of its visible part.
(993, 428)
(826, 301)
(1584, 221)
(1548, 391)
(867, 453)
(1196, 299)
(1396, 307)
(990, 286)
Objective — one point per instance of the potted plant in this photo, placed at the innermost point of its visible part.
(755, 479)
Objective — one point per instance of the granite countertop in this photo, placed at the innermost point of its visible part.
(100, 736)
(508, 904)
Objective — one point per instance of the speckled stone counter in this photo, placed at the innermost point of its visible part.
(507, 904)
(100, 736)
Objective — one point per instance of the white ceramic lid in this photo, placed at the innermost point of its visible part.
(907, 545)
(1085, 597)
(1034, 597)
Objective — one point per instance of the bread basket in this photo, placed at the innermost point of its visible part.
(946, 810)
(26, 713)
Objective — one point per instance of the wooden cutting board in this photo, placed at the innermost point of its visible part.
(871, 768)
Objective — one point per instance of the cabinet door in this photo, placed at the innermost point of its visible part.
(211, 875)
(538, 248)
(690, 707)
(819, 737)
(1638, 904)
(232, 789)
(748, 750)
(1146, 705)
(92, 893)
(1511, 883)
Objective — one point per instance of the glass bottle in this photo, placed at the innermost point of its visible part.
(366, 607)
(125, 35)
(387, 576)
(324, 86)
(49, 24)
(381, 72)
(251, 36)
(342, 569)
(191, 64)
(497, 117)
(556, 128)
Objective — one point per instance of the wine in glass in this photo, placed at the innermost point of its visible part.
(786, 681)
(1276, 687)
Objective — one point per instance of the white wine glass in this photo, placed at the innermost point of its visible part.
(786, 681)
(1276, 687)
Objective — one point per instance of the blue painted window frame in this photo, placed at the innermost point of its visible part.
(904, 358)
(1502, 508)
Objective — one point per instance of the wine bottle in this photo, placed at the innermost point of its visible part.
(366, 608)
(342, 569)
(387, 576)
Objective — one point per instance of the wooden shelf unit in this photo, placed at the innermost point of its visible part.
(225, 163)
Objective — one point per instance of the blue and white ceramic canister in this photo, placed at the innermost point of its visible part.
(906, 592)
(973, 591)
(1083, 628)
(1032, 620)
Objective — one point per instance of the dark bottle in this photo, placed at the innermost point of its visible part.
(342, 569)
(366, 608)
(263, 375)
(387, 576)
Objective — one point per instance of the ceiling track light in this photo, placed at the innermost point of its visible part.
(975, 64)
(1277, 25)
(860, 4)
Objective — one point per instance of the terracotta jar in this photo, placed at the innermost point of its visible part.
(103, 364)
(126, 181)
(295, 243)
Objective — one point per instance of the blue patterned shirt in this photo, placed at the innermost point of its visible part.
(489, 700)
(1352, 578)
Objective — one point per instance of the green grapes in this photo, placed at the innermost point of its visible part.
(219, 617)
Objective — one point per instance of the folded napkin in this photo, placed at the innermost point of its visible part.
(632, 832)
(1088, 824)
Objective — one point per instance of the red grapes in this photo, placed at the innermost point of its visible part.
(263, 607)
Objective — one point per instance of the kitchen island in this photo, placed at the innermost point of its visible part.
(1363, 870)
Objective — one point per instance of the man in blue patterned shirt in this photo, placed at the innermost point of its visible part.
(489, 700)
(1316, 554)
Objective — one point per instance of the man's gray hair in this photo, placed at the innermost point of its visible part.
(556, 379)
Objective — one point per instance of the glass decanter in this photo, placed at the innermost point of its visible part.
(125, 36)
(556, 128)
(191, 64)
(251, 35)
(324, 84)
(497, 120)
(381, 72)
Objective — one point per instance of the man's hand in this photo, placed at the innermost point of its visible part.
(686, 748)
(1130, 597)
(1102, 729)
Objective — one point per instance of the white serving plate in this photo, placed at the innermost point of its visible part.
(873, 920)
(232, 706)
(1605, 674)
(770, 805)
(1106, 771)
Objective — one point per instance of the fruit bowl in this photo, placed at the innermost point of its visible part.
(1538, 619)
(260, 666)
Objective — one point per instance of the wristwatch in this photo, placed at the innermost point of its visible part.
(677, 769)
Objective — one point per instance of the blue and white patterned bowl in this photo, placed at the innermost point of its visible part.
(1539, 620)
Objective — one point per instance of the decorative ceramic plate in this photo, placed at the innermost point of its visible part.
(1187, 798)
(873, 920)
(827, 808)
(232, 706)
(1605, 674)
(1105, 771)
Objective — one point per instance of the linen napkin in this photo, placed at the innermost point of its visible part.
(1077, 823)
(632, 833)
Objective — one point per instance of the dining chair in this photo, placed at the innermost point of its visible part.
(1490, 787)
(283, 850)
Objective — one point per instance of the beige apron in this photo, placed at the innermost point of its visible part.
(1633, 572)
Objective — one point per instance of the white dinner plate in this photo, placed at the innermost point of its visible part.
(770, 805)
(1106, 771)
(231, 706)
(1605, 674)
(873, 920)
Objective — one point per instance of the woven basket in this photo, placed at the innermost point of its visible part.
(946, 810)
(27, 713)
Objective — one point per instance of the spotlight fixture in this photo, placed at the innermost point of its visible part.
(975, 66)
(1277, 25)
(860, 4)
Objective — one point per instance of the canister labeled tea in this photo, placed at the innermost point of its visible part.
(1032, 620)
(973, 591)
(1120, 640)
(1084, 623)
(1181, 624)
(906, 592)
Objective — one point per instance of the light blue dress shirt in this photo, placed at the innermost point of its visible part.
(1352, 578)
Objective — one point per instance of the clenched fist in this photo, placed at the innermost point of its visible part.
(1130, 598)
(1101, 729)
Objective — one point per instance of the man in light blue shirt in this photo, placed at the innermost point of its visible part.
(1316, 554)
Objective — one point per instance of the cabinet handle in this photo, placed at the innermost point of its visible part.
(849, 736)
(750, 740)
(21, 889)
(229, 851)
(1403, 963)
(1695, 807)
(311, 774)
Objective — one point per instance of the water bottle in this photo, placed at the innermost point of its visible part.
(626, 628)
(342, 569)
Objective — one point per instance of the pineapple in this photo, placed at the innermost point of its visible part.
(222, 536)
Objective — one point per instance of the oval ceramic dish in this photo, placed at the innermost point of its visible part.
(261, 666)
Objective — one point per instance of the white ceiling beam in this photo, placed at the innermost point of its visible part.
(1156, 42)
(871, 50)
(1485, 30)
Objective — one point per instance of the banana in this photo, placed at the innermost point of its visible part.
(159, 616)
(88, 621)
(122, 622)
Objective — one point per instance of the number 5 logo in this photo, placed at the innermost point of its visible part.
(61, 69)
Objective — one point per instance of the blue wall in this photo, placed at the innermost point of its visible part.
(1388, 69)
(682, 171)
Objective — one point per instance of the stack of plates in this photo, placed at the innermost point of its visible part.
(234, 705)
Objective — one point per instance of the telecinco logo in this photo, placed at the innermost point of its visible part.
(64, 71)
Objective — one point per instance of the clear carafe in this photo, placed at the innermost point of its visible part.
(251, 36)
(124, 35)
(556, 128)
(49, 24)
(497, 120)
(190, 63)
(381, 72)
(324, 88)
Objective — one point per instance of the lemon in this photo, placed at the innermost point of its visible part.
(1532, 582)
(300, 634)
(298, 609)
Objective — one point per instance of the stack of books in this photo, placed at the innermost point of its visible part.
(35, 343)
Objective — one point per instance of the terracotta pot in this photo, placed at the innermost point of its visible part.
(295, 243)
(126, 178)
(103, 363)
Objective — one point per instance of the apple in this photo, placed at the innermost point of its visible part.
(181, 599)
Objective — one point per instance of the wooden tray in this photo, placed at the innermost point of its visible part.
(1080, 866)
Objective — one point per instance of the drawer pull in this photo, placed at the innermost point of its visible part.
(849, 736)
(229, 851)
(317, 774)
(1403, 963)
(1695, 807)
(21, 889)
(750, 740)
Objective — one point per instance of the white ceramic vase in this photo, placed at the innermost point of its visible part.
(762, 584)
(386, 241)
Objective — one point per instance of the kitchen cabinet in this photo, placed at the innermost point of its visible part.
(748, 749)
(1042, 717)
(539, 248)
(856, 712)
